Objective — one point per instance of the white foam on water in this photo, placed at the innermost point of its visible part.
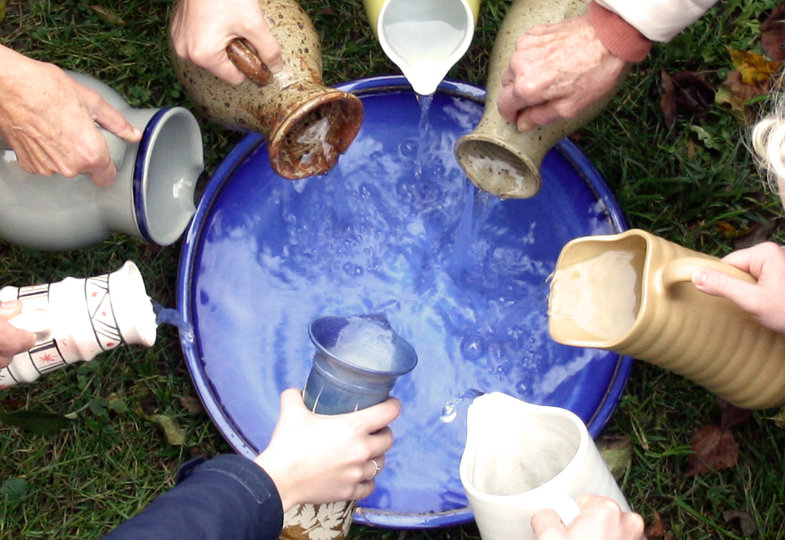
(365, 343)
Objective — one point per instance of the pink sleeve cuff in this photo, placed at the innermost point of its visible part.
(619, 37)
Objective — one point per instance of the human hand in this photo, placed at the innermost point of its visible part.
(12, 340)
(202, 29)
(764, 299)
(316, 458)
(49, 120)
(556, 71)
(599, 517)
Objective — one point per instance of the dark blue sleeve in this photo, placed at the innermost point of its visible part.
(226, 498)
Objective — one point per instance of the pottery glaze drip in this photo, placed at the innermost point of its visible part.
(496, 156)
(708, 339)
(307, 124)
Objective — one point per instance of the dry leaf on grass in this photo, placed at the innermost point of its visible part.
(685, 93)
(745, 521)
(715, 449)
(772, 34)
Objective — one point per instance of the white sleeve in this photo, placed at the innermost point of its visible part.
(659, 20)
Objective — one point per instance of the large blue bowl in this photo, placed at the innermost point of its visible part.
(460, 274)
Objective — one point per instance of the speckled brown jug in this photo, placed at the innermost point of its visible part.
(307, 124)
(496, 156)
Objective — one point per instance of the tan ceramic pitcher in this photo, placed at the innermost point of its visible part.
(496, 156)
(632, 293)
(307, 124)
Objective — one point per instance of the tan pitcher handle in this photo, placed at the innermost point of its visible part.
(680, 270)
(248, 62)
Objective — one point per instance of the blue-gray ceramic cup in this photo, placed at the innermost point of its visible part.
(339, 383)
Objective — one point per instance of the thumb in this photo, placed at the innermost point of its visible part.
(10, 309)
(721, 284)
(547, 521)
(292, 400)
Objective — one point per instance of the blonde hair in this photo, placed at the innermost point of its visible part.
(768, 142)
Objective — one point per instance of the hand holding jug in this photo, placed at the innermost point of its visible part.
(307, 124)
(521, 458)
(633, 293)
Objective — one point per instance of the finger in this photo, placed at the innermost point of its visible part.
(291, 398)
(539, 115)
(113, 120)
(267, 47)
(721, 284)
(379, 416)
(547, 524)
(507, 104)
(227, 71)
(381, 441)
(10, 309)
(96, 161)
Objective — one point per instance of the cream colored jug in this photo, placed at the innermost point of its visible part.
(632, 293)
(307, 124)
(424, 39)
(496, 156)
(520, 458)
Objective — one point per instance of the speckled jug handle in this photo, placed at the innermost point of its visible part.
(248, 62)
(681, 270)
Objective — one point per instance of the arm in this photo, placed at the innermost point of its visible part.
(49, 120)
(12, 339)
(659, 20)
(558, 70)
(764, 300)
(201, 30)
(600, 518)
(310, 458)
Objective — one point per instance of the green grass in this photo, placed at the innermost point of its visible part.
(693, 183)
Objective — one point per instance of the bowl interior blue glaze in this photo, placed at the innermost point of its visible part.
(394, 228)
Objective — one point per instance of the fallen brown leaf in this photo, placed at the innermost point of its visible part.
(745, 521)
(772, 34)
(737, 94)
(732, 416)
(755, 68)
(191, 404)
(655, 529)
(616, 450)
(715, 449)
(685, 93)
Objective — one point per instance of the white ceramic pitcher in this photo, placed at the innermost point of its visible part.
(76, 319)
(423, 38)
(520, 458)
(151, 198)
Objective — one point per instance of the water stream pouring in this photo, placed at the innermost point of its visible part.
(423, 38)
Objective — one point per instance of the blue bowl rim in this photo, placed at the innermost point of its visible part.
(369, 86)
